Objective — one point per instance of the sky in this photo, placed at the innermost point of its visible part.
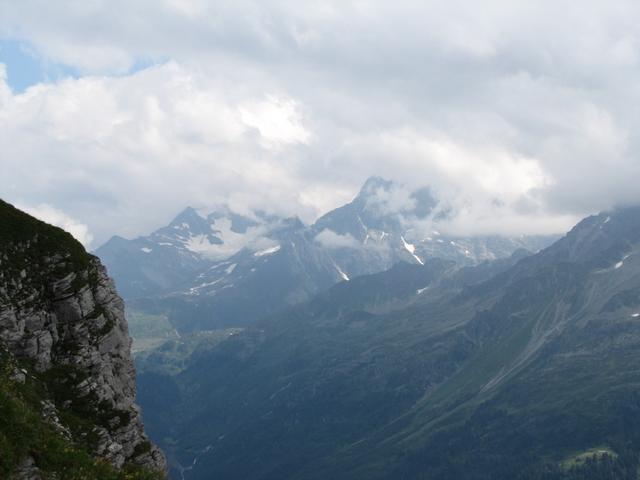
(115, 115)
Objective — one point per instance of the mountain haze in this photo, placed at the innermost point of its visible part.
(519, 368)
(223, 270)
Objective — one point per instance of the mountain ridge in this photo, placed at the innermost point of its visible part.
(282, 262)
(457, 378)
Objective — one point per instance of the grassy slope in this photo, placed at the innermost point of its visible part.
(579, 394)
(172, 356)
(148, 331)
(16, 227)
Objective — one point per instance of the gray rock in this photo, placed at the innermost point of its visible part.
(78, 322)
(27, 470)
(18, 376)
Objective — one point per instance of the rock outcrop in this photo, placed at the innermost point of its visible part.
(60, 316)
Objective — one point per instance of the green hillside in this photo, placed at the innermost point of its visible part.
(527, 371)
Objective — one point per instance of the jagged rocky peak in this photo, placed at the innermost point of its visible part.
(380, 206)
(374, 184)
(172, 255)
(377, 192)
(212, 233)
(189, 220)
(62, 320)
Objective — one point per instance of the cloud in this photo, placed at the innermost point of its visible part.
(330, 239)
(56, 217)
(394, 199)
(277, 119)
(126, 153)
(521, 116)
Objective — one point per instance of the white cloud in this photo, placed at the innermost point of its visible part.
(138, 148)
(520, 115)
(394, 199)
(330, 239)
(5, 91)
(56, 217)
(277, 119)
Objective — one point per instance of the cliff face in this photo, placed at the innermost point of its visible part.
(63, 323)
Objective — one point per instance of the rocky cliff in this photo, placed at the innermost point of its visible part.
(63, 331)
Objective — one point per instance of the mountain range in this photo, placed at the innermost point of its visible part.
(360, 347)
(218, 269)
(526, 367)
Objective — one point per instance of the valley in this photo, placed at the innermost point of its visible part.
(397, 369)
(431, 371)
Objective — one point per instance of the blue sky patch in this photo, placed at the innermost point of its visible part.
(26, 68)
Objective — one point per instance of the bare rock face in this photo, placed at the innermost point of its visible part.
(59, 311)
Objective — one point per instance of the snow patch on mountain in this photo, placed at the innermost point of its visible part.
(202, 244)
(226, 241)
(267, 251)
(342, 274)
(412, 250)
